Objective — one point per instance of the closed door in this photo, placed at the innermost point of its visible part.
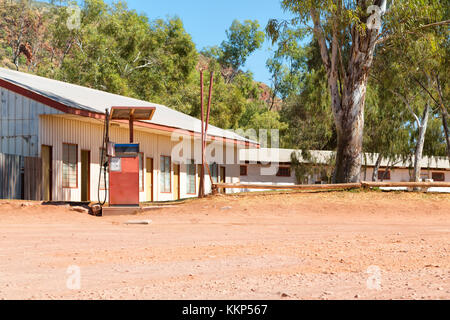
(199, 174)
(149, 179)
(176, 181)
(47, 173)
(85, 175)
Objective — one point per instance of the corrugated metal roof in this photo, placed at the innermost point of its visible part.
(323, 157)
(97, 101)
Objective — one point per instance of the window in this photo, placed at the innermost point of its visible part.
(244, 171)
(284, 172)
(165, 174)
(190, 172)
(141, 172)
(438, 176)
(70, 167)
(104, 173)
(214, 172)
(383, 175)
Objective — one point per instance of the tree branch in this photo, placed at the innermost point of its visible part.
(427, 91)
(318, 32)
(387, 37)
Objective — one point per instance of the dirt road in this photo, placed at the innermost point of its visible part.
(294, 246)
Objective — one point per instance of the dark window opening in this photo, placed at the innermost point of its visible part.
(244, 171)
(284, 172)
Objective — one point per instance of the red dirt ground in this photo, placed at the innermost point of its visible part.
(283, 246)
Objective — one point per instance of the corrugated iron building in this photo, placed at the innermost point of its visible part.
(54, 121)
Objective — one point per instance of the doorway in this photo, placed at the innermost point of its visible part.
(176, 181)
(85, 175)
(47, 172)
(149, 179)
(222, 177)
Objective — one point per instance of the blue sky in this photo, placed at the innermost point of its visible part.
(207, 20)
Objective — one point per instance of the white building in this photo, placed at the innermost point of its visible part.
(62, 125)
(274, 167)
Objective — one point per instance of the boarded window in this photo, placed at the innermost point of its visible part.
(104, 172)
(165, 175)
(438, 176)
(284, 172)
(244, 171)
(190, 171)
(383, 175)
(70, 168)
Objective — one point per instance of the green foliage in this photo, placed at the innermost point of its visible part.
(307, 166)
(242, 40)
(387, 126)
(406, 71)
(121, 51)
(305, 95)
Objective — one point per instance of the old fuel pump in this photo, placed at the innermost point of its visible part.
(122, 162)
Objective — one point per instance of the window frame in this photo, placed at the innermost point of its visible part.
(216, 170)
(282, 175)
(188, 165)
(76, 166)
(381, 173)
(246, 171)
(162, 188)
(439, 173)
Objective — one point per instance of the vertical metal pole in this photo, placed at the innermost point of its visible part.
(131, 125)
(211, 82)
(208, 112)
(202, 171)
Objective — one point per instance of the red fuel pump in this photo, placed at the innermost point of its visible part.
(123, 161)
(124, 176)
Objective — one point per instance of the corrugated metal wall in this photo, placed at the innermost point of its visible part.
(10, 176)
(20, 177)
(19, 124)
(32, 188)
(87, 134)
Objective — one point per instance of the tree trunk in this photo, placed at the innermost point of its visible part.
(420, 142)
(350, 126)
(446, 130)
(386, 172)
(349, 116)
(377, 167)
(444, 115)
(365, 167)
(347, 85)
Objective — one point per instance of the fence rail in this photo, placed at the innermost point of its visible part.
(345, 186)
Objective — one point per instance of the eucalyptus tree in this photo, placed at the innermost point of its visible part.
(387, 133)
(348, 33)
(405, 69)
(242, 40)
